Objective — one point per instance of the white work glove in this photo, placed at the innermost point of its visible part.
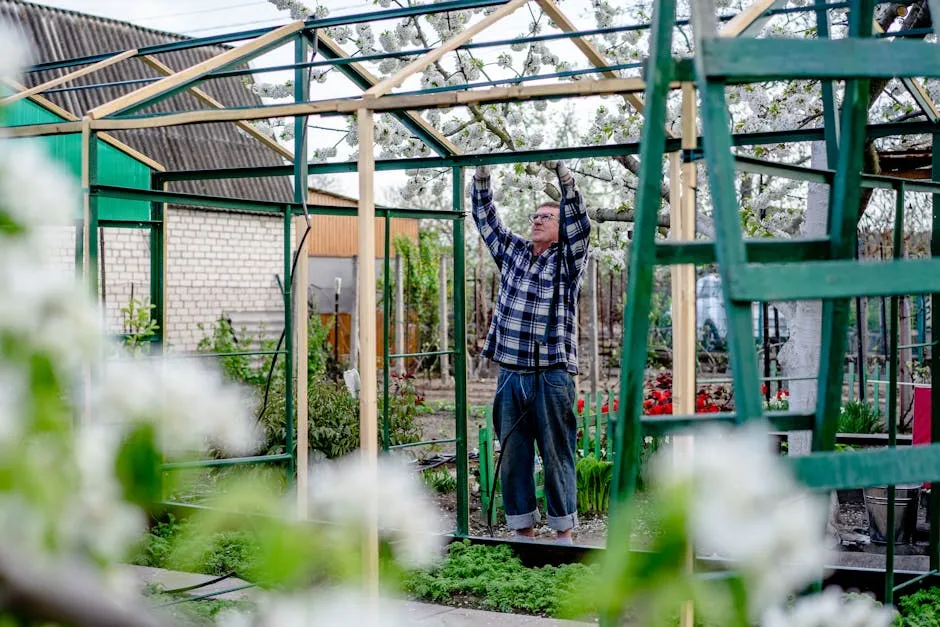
(559, 167)
(482, 172)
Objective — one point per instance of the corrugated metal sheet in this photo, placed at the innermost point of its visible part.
(343, 235)
(57, 34)
(114, 167)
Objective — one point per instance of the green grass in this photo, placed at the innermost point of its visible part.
(492, 577)
(226, 552)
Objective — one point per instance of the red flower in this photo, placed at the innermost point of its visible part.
(580, 405)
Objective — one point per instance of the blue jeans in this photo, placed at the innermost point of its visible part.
(526, 412)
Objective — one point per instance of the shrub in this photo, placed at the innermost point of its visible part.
(440, 480)
(859, 417)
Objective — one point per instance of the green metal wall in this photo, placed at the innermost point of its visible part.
(114, 167)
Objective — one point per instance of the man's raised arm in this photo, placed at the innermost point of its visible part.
(497, 237)
(577, 226)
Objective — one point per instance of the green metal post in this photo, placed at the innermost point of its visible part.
(642, 259)
(892, 413)
(843, 225)
(386, 313)
(460, 357)
(157, 261)
(92, 226)
(851, 378)
(934, 505)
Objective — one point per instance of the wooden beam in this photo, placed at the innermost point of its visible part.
(212, 102)
(373, 80)
(451, 44)
(587, 48)
(387, 103)
(65, 78)
(41, 130)
(195, 72)
(368, 393)
(739, 23)
(914, 88)
(682, 190)
(52, 107)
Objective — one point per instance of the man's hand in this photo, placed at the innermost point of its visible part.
(559, 168)
(482, 172)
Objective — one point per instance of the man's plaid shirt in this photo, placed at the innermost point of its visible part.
(527, 283)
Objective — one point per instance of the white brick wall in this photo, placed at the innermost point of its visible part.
(216, 262)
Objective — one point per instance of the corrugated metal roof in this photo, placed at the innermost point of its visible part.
(58, 34)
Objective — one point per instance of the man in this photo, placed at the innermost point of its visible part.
(532, 338)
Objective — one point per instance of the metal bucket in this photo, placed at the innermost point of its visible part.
(906, 503)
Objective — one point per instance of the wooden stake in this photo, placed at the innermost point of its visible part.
(368, 392)
(592, 322)
(682, 187)
(453, 43)
(65, 78)
(301, 321)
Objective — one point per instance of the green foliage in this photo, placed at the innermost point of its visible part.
(593, 482)
(193, 613)
(405, 405)
(859, 417)
(422, 286)
(224, 552)
(138, 324)
(334, 423)
(439, 480)
(493, 577)
(919, 609)
(157, 546)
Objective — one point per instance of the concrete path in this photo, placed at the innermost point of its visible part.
(424, 614)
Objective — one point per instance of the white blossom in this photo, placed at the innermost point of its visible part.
(329, 607)
(831, 608)
(746, 507)
(189, 405)
(340, 492)
(14, 52)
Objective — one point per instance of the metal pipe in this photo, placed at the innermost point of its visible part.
(424, 443)
(231, 461)
(460, 357)
(892, 417)
(428, 354)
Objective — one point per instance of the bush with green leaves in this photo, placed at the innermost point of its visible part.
(594, 479)
(859, 417)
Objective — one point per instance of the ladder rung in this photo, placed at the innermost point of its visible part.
(760, 250)
(862, 469)
(738, 60)
(815, 280)
(784, 420)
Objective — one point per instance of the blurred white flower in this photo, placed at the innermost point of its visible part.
(747, 508)
(341, 491)
(329, 607)
(14, 52)
(189, 404)
(28, 204)
(831, 608)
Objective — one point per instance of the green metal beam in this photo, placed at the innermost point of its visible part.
(827, 471)
(757, 250)
(758, 60)
(835, 279)
(259, 206)
(460, 357)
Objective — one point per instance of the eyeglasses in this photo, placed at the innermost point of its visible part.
(541, 217)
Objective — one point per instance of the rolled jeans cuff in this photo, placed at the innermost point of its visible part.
(563, 523)
(523, 521)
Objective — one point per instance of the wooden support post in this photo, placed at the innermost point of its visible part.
(592, 322)
(354, 317)
(65, 78)
(400, 347)
(301, 322)
(682, 187)
(442, 283)
(368, 392)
